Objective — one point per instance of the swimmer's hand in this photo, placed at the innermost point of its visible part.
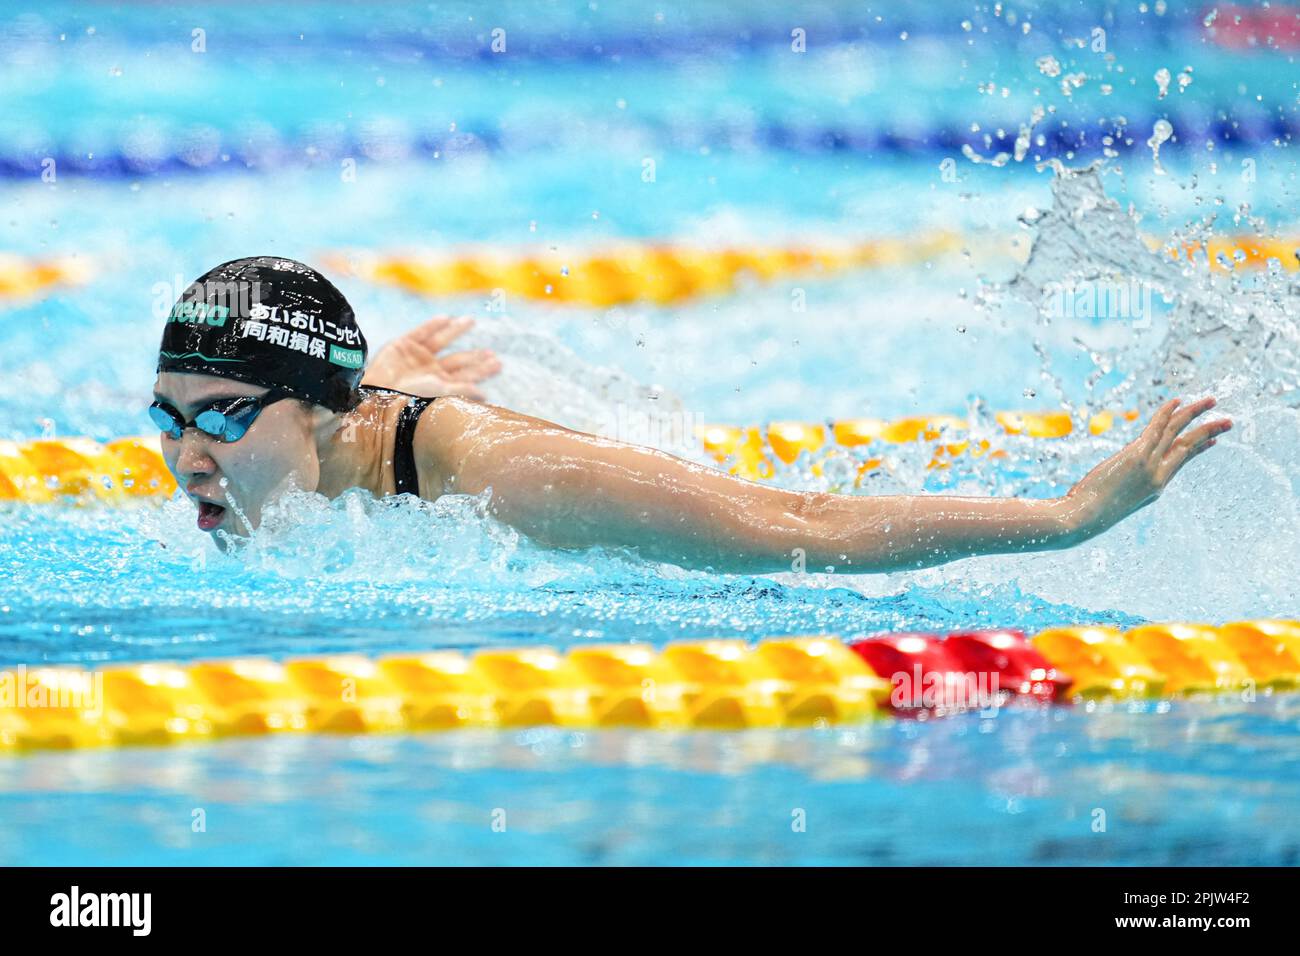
(410, 363)
(1134, 477)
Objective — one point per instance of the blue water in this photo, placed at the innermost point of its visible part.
(1210, 784)
(458, 148)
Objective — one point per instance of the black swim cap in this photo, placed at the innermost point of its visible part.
(272, 322)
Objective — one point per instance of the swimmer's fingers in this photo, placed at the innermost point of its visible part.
(471, 366)
(1149, 440)
(440, 331)
(1209, 443)
(1192, 444)
(1179, 420)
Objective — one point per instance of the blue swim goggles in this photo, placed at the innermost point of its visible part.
(226, 419)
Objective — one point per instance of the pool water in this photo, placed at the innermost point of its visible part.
(1142, 786)
(544, 150)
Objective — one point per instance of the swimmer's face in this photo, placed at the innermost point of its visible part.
(231, 482)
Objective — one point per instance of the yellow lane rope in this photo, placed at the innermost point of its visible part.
(662, 273)
(707, 684)
(669, 274)
(20, 278)
(56, 469)
(749, 452)
(1225, 253)
(59, 469)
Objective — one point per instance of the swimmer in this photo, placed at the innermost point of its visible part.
(260, 389)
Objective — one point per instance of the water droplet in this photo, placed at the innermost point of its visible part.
(1162, 82)
(1159, 134)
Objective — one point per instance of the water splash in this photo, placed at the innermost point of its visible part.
(1229, 523)
(544, 378)
(1160, 134)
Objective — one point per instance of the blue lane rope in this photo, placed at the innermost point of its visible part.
(609, 37)
(230, 151)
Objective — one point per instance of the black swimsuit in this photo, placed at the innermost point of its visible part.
(404, 474)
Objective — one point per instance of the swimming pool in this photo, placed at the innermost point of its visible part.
(455, 149)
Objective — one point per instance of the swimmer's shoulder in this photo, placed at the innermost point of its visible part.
(452, 427)
(443, 435)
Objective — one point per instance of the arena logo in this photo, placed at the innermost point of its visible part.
(212, 301)
(200, 312)
(134, 910)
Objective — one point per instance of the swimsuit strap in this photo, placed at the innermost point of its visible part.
(405, 476)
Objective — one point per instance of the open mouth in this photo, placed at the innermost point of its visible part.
(210, 515)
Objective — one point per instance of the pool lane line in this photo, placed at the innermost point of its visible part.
(712, 684)
(82, 470)
(667, 273)
(210, 151)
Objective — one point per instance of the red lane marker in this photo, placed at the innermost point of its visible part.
(923, 673)
(1251, 28)
(1021, 669)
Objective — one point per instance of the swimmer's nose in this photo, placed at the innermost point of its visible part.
(193, 459)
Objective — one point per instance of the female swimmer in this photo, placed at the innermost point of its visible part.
(260, 388)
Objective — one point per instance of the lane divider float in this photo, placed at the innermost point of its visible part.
(663, 274)
(720, 684)
(260, 146)
(78, 468)
(48, 470)
(753, 452)
(21, 278)
(660, 273)
(666, 274)
(62, 469)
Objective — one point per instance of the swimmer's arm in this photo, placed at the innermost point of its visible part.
(572, 490)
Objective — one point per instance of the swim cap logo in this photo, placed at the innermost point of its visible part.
(305, 332)
(196, 312)
(269, 321)
(348, 358)
(212, 302)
